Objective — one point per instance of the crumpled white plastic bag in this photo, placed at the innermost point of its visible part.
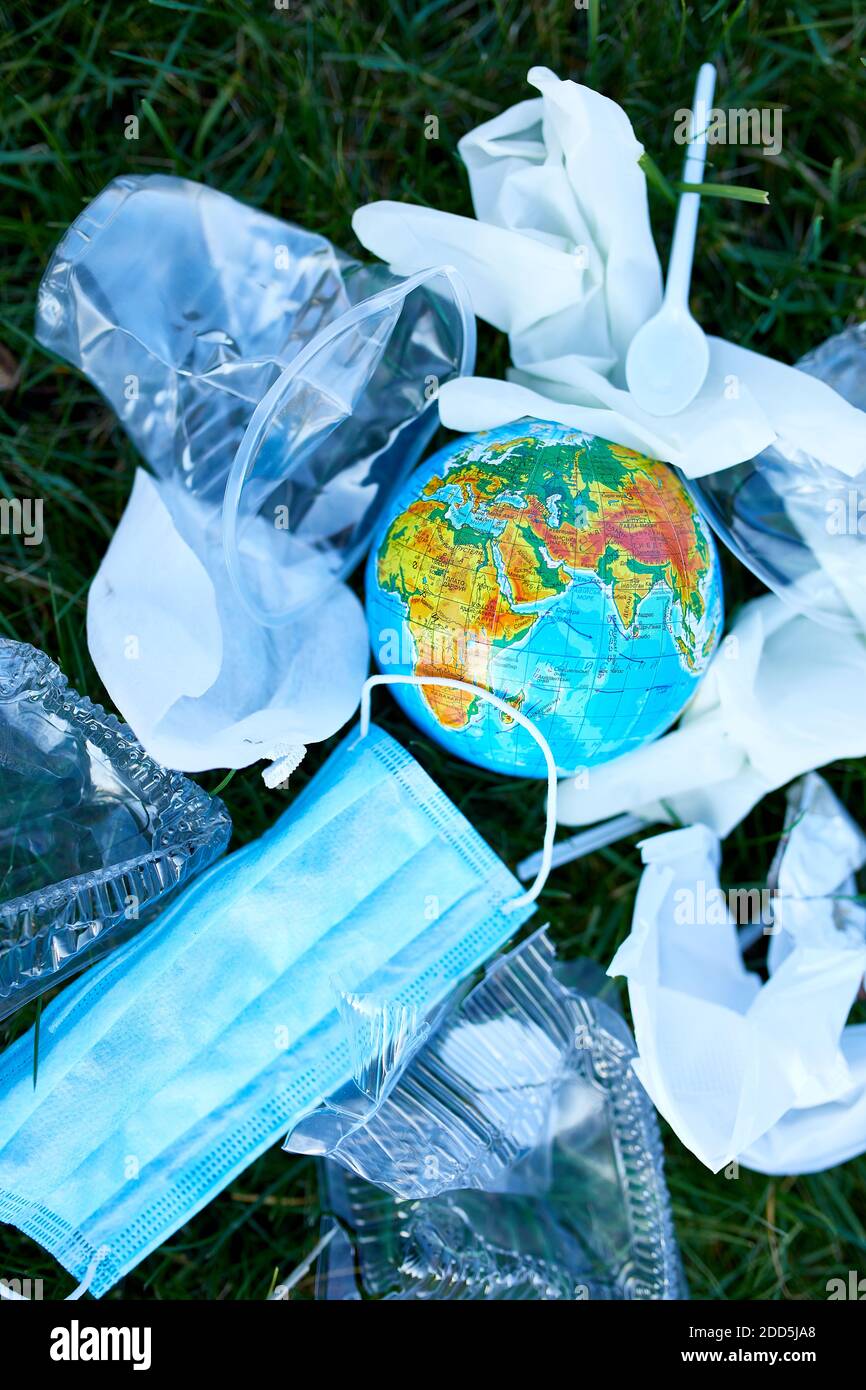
(782, 696)
(767, 1074)
(561, 257)
(177, 655)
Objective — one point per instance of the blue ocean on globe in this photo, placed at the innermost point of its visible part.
(572, 577)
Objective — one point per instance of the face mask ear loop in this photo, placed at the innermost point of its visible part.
(550, 828)
(77, 1292)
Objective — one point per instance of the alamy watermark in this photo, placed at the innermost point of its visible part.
(22, 1288)
(22, 516)
(758, 127)
(707, 905)
(853, 1288)
(437, 652)
(83, 1343)
(846, 516)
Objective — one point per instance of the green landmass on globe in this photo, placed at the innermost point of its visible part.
(572, 577)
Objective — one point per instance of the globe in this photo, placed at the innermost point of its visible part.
(572, 577)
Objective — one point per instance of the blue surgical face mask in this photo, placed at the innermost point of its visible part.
(166, 1071)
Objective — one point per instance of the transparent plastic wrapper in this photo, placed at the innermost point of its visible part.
(769, 1074)
(185, 307)
(519, 1156)
(797, 523)
(335, 435)
(93, 835)
(173, 1065)
(279, 392)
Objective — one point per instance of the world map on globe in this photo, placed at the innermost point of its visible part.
(572, 577)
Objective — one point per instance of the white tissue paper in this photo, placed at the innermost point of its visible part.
(782, 696)
(765, 1074)
(202, 685)
(562, 259)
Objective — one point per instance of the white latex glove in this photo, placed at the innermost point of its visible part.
(560, 256)
(767, 1073)
(200, 683)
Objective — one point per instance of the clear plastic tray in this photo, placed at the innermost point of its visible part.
(516, 1156)
(93, 833)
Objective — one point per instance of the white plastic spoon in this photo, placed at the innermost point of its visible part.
(668, 358)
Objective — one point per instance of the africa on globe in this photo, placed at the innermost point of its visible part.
(572, 577)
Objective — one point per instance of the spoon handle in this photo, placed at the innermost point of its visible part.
(686, 225)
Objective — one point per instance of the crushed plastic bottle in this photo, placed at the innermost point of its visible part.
(93, 833)
(514, 1156)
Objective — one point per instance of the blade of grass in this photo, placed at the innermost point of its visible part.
(736, 191)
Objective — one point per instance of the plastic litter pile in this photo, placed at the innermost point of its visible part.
(200, 1043)
(353, 983)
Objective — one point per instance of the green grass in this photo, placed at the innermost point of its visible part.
(309, 112)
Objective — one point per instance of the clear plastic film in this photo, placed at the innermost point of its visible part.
(279, 391)
(183, 307)
(93, 834)
(342, 425)
(797, 523)
(822, 847)
(518, 1155)
(262, 356)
